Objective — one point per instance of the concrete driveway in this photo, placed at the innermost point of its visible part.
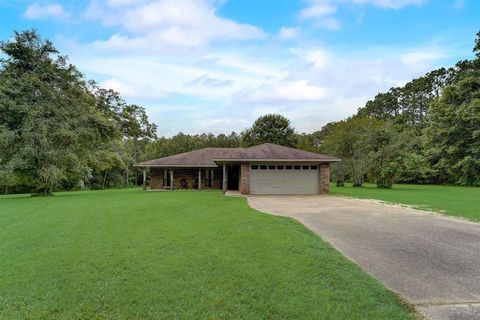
(433, 261)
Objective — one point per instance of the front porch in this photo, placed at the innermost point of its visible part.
(225, 177)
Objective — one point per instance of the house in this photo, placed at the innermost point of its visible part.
(263, 169)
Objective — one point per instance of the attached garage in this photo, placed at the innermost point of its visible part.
(284, 179)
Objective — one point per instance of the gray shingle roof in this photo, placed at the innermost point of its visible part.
(207, 157)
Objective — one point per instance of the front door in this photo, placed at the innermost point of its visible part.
(233, 177)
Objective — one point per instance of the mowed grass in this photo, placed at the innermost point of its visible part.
(129, 254)
(451, 200)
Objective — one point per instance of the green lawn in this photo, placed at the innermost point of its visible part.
(129, 254)
(452, 200)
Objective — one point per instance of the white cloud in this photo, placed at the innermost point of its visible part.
(288, 33)
(283, 92)
(132, 89)
(226, 90)
(390, 4)
(190, 82)
(38, 11)
(163, 24)
(422, 56)
(323, 11)
(318, 57)
(317, 10)
(209, 82)
(118, 3)
(331, 24)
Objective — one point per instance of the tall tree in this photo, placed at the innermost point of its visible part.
(46, 107)
(351, 140)
(272, 128)
(454, 133)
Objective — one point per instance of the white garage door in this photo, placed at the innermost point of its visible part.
(284, 179)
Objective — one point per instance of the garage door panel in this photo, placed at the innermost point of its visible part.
(294, 181)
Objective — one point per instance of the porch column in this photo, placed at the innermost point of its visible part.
(225, 179)
(144, 178)
(171, 179)
(199, 179)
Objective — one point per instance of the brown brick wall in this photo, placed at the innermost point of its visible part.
(245, 178)
(190, 177)
(324, 178)
(156, 178)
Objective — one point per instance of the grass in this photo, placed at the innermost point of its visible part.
(129, 254)
(451, 200)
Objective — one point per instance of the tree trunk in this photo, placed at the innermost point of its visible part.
(104, 179)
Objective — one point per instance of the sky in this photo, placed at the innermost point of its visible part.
(217, 65)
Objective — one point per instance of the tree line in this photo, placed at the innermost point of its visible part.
(59, 131)
(427, 131)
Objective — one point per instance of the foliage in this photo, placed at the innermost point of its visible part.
(271, 128)
(54, 124)
(179, 143)
(454, 133)
(430, 131)
(386, 156)
(352, 141)
(408, 106)
(129, 254)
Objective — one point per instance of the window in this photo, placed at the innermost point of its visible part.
(305, 167)
(263, 167)
(271, 167)
(279, 167)
(296, 167)
(254, 167)
(313, 167)
(288, 167)
(166, 178)
(209, 177)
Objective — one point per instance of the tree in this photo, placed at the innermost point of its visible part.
(49, 114)
(408, 106)
(181, 142)
(454, 133)
(271, 128)
(351, 140)
(387, 155)
(476, 48)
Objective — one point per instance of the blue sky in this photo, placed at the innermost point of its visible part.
(216, 65)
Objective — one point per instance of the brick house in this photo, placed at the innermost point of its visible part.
(262, 169)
